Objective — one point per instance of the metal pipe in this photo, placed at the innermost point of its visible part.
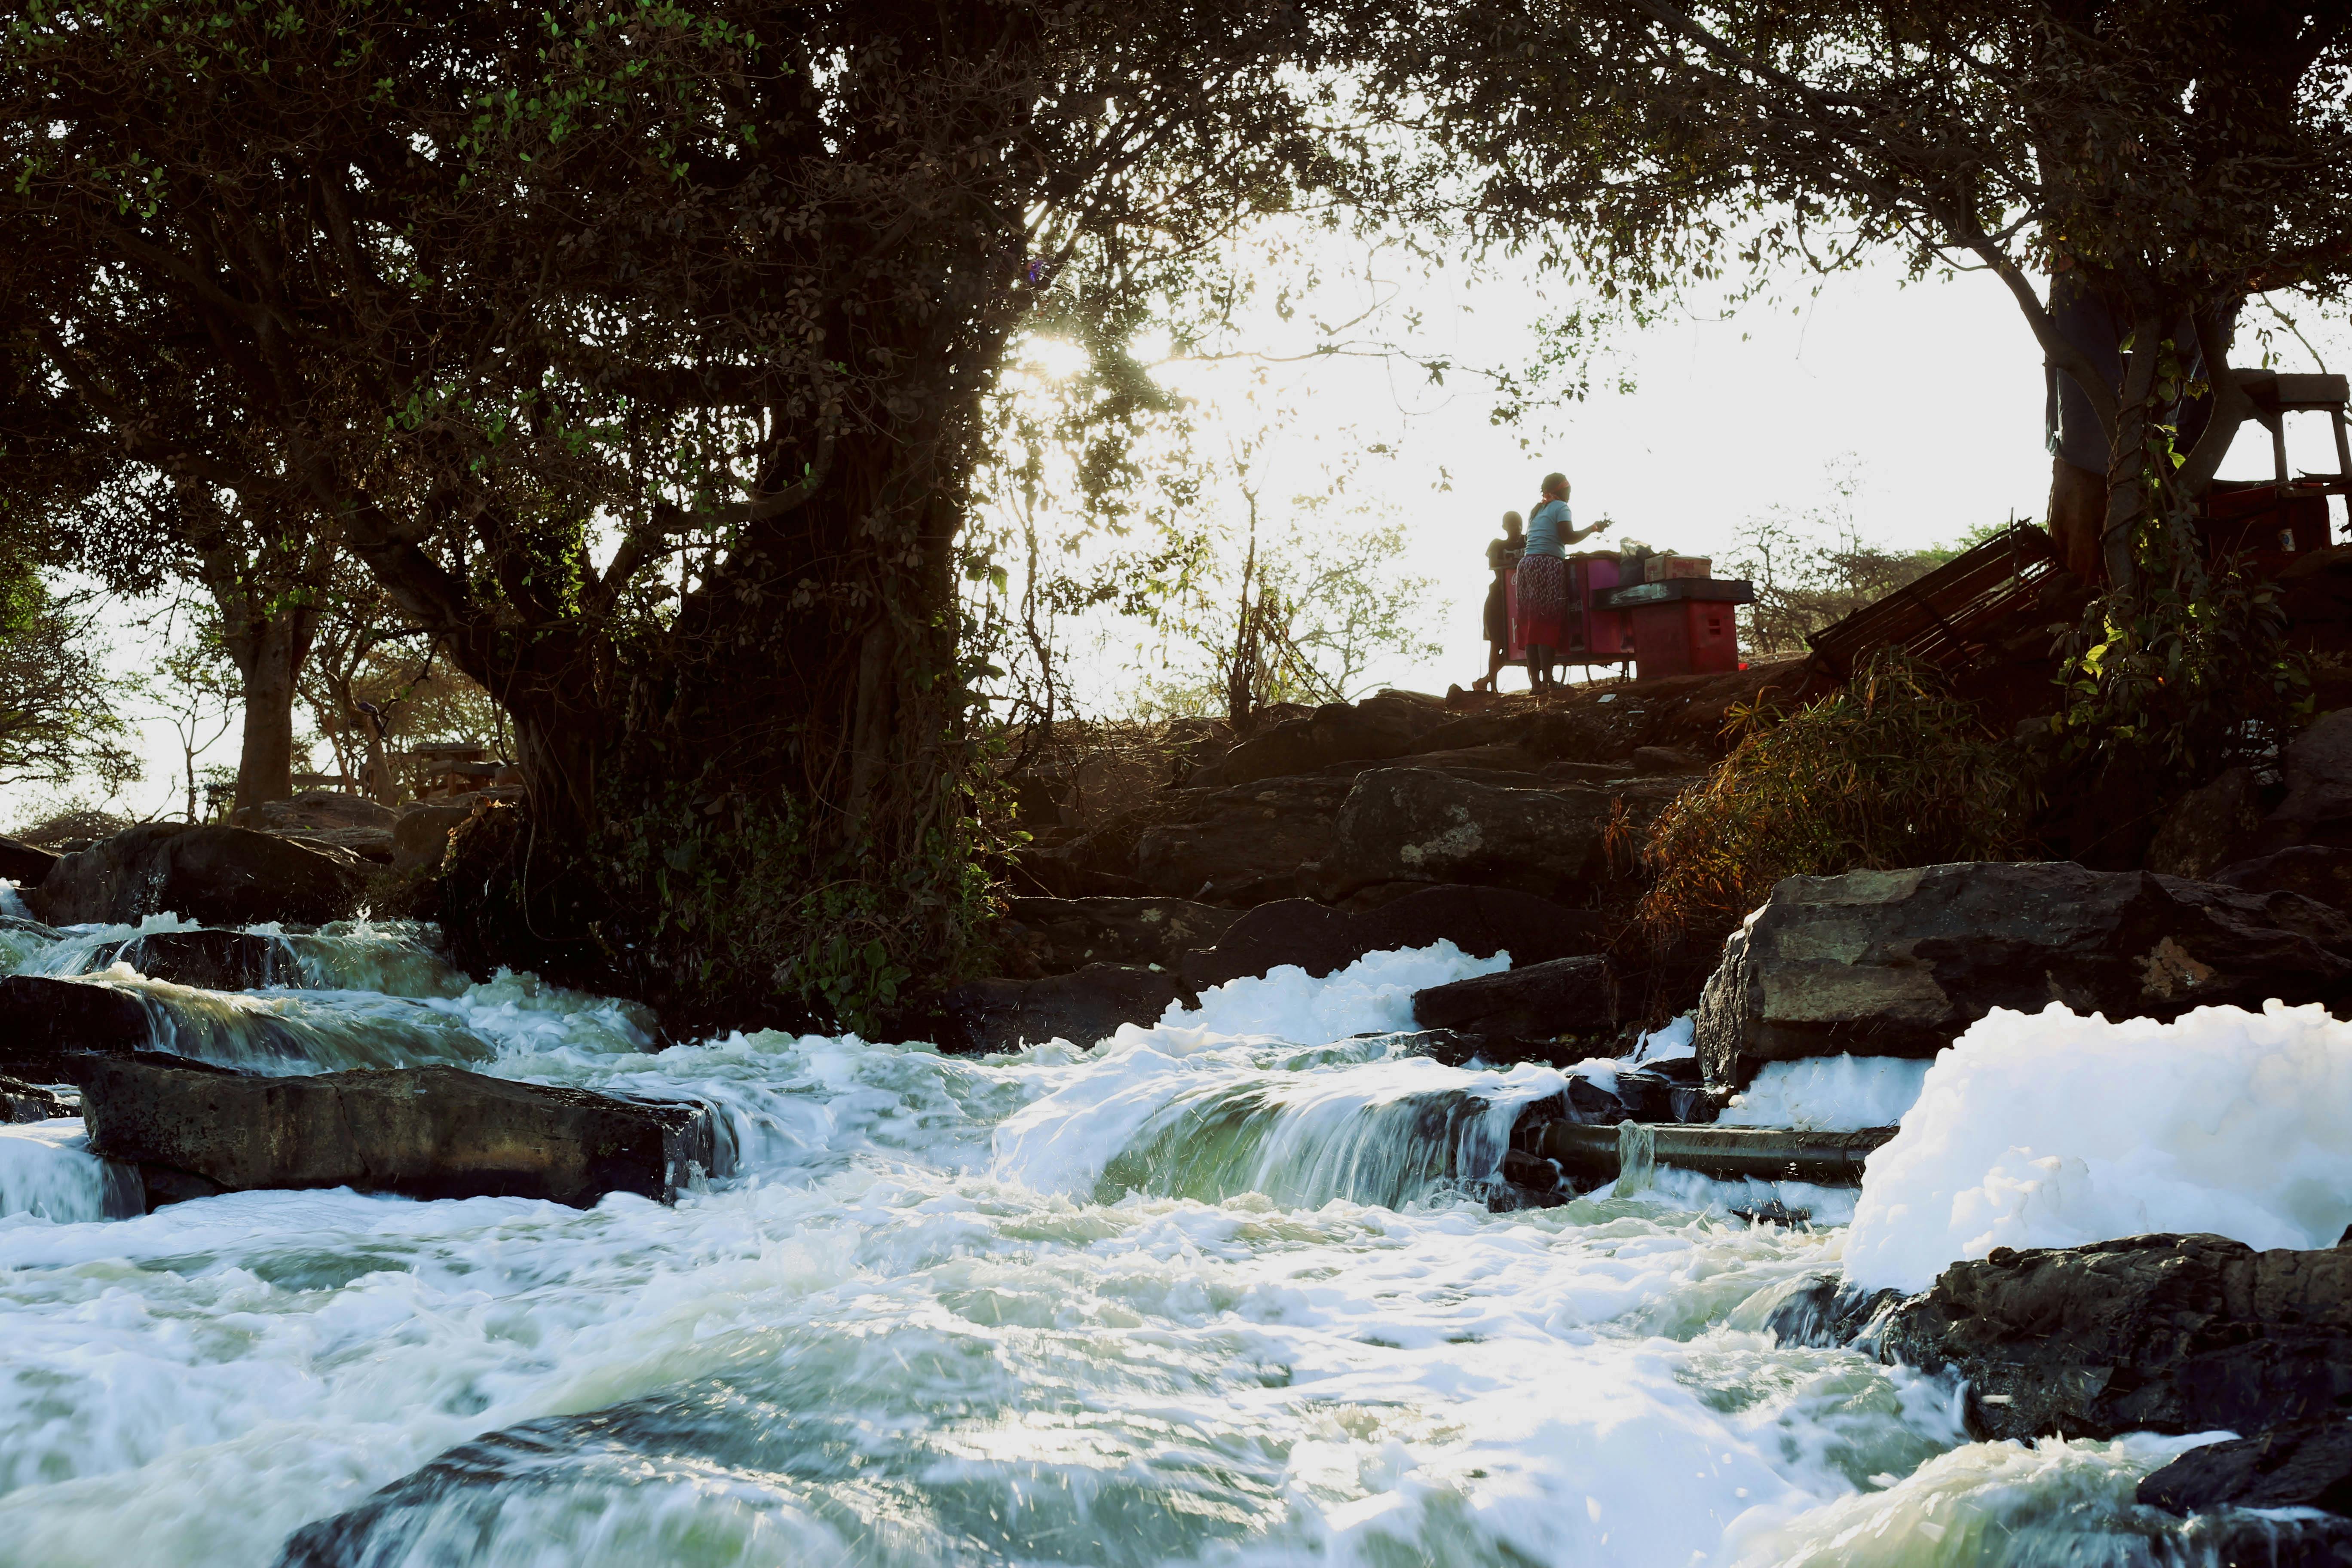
(1765, 1153)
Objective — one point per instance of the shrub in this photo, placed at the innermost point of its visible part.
(1889, 770)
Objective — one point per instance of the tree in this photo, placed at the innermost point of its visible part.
(641, 352)
(2170, 154)
(200, 693)
(58, 704)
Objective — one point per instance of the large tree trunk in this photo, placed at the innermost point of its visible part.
(269, 651)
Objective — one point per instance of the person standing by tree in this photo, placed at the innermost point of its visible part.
(1502, 554)
(1543, 579)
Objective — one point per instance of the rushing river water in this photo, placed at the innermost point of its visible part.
(1226, 1291)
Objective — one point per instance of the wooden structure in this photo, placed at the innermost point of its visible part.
(1947, 617)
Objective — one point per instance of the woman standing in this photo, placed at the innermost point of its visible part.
(1543, 579)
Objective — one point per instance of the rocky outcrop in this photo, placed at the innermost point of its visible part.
(1055, 936)
(26, 865)
(1241, 846)
(427, 1132)
(2298, 1464)
(1560, 1008)
(220, 876)
(1386, 725)
(1412, 824)
(1899, 962)
(1004, 1014)
(47, 1026)
(420, 834)
(2151, 1334)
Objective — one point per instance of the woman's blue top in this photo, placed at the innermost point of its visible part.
(1544, 529)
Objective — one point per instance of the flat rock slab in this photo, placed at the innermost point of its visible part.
(50, 1027)
(210, 960)
(2150, 1333)
(1897, 964)
(425, 1133)
(205, 872)
(1569, 998)
(1004, 1014)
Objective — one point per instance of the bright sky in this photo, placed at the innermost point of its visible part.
(1935, 387)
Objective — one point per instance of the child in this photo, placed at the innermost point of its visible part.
(1502, 554)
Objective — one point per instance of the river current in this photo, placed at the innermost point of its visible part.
(1226, 1291)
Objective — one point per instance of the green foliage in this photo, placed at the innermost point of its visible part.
(1889, 770)
(743, 913)
(2185, 675)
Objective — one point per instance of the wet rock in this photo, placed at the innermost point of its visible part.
(23, 864)
(47, 1026)
(1572, 998)
(2210, 828)
(1898, 963)
(2317, 808)
(2297, 1464)
(210, 960)
(1412, 824)
(1821, 1311)
(1243, 845)
(427, 1132)
(2156, 1334)
(2320, 872)
(220, 876)
(1055, 936)
(420, 835)
(1379, 727)
(1314, 937)
(21, 1101)
(1004, 1014)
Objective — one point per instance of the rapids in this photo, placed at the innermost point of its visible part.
(1226, 1291)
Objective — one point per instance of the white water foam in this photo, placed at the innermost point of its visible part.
(2052, 1130)
(917, 1329)
(1828, 1094)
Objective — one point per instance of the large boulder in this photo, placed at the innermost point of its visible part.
(26, 865)
(1896, 963)
(420, 834)
(220, 876)
(2317, 808)
(2150, 1333)
(427, 1132)
(1382, 726)
(329, 819)
(1004, 1014)
(1055, 936)
(2208, 828)
(1573, 999)
(2298, 1464)
(1243, 845)
(1415, 824)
